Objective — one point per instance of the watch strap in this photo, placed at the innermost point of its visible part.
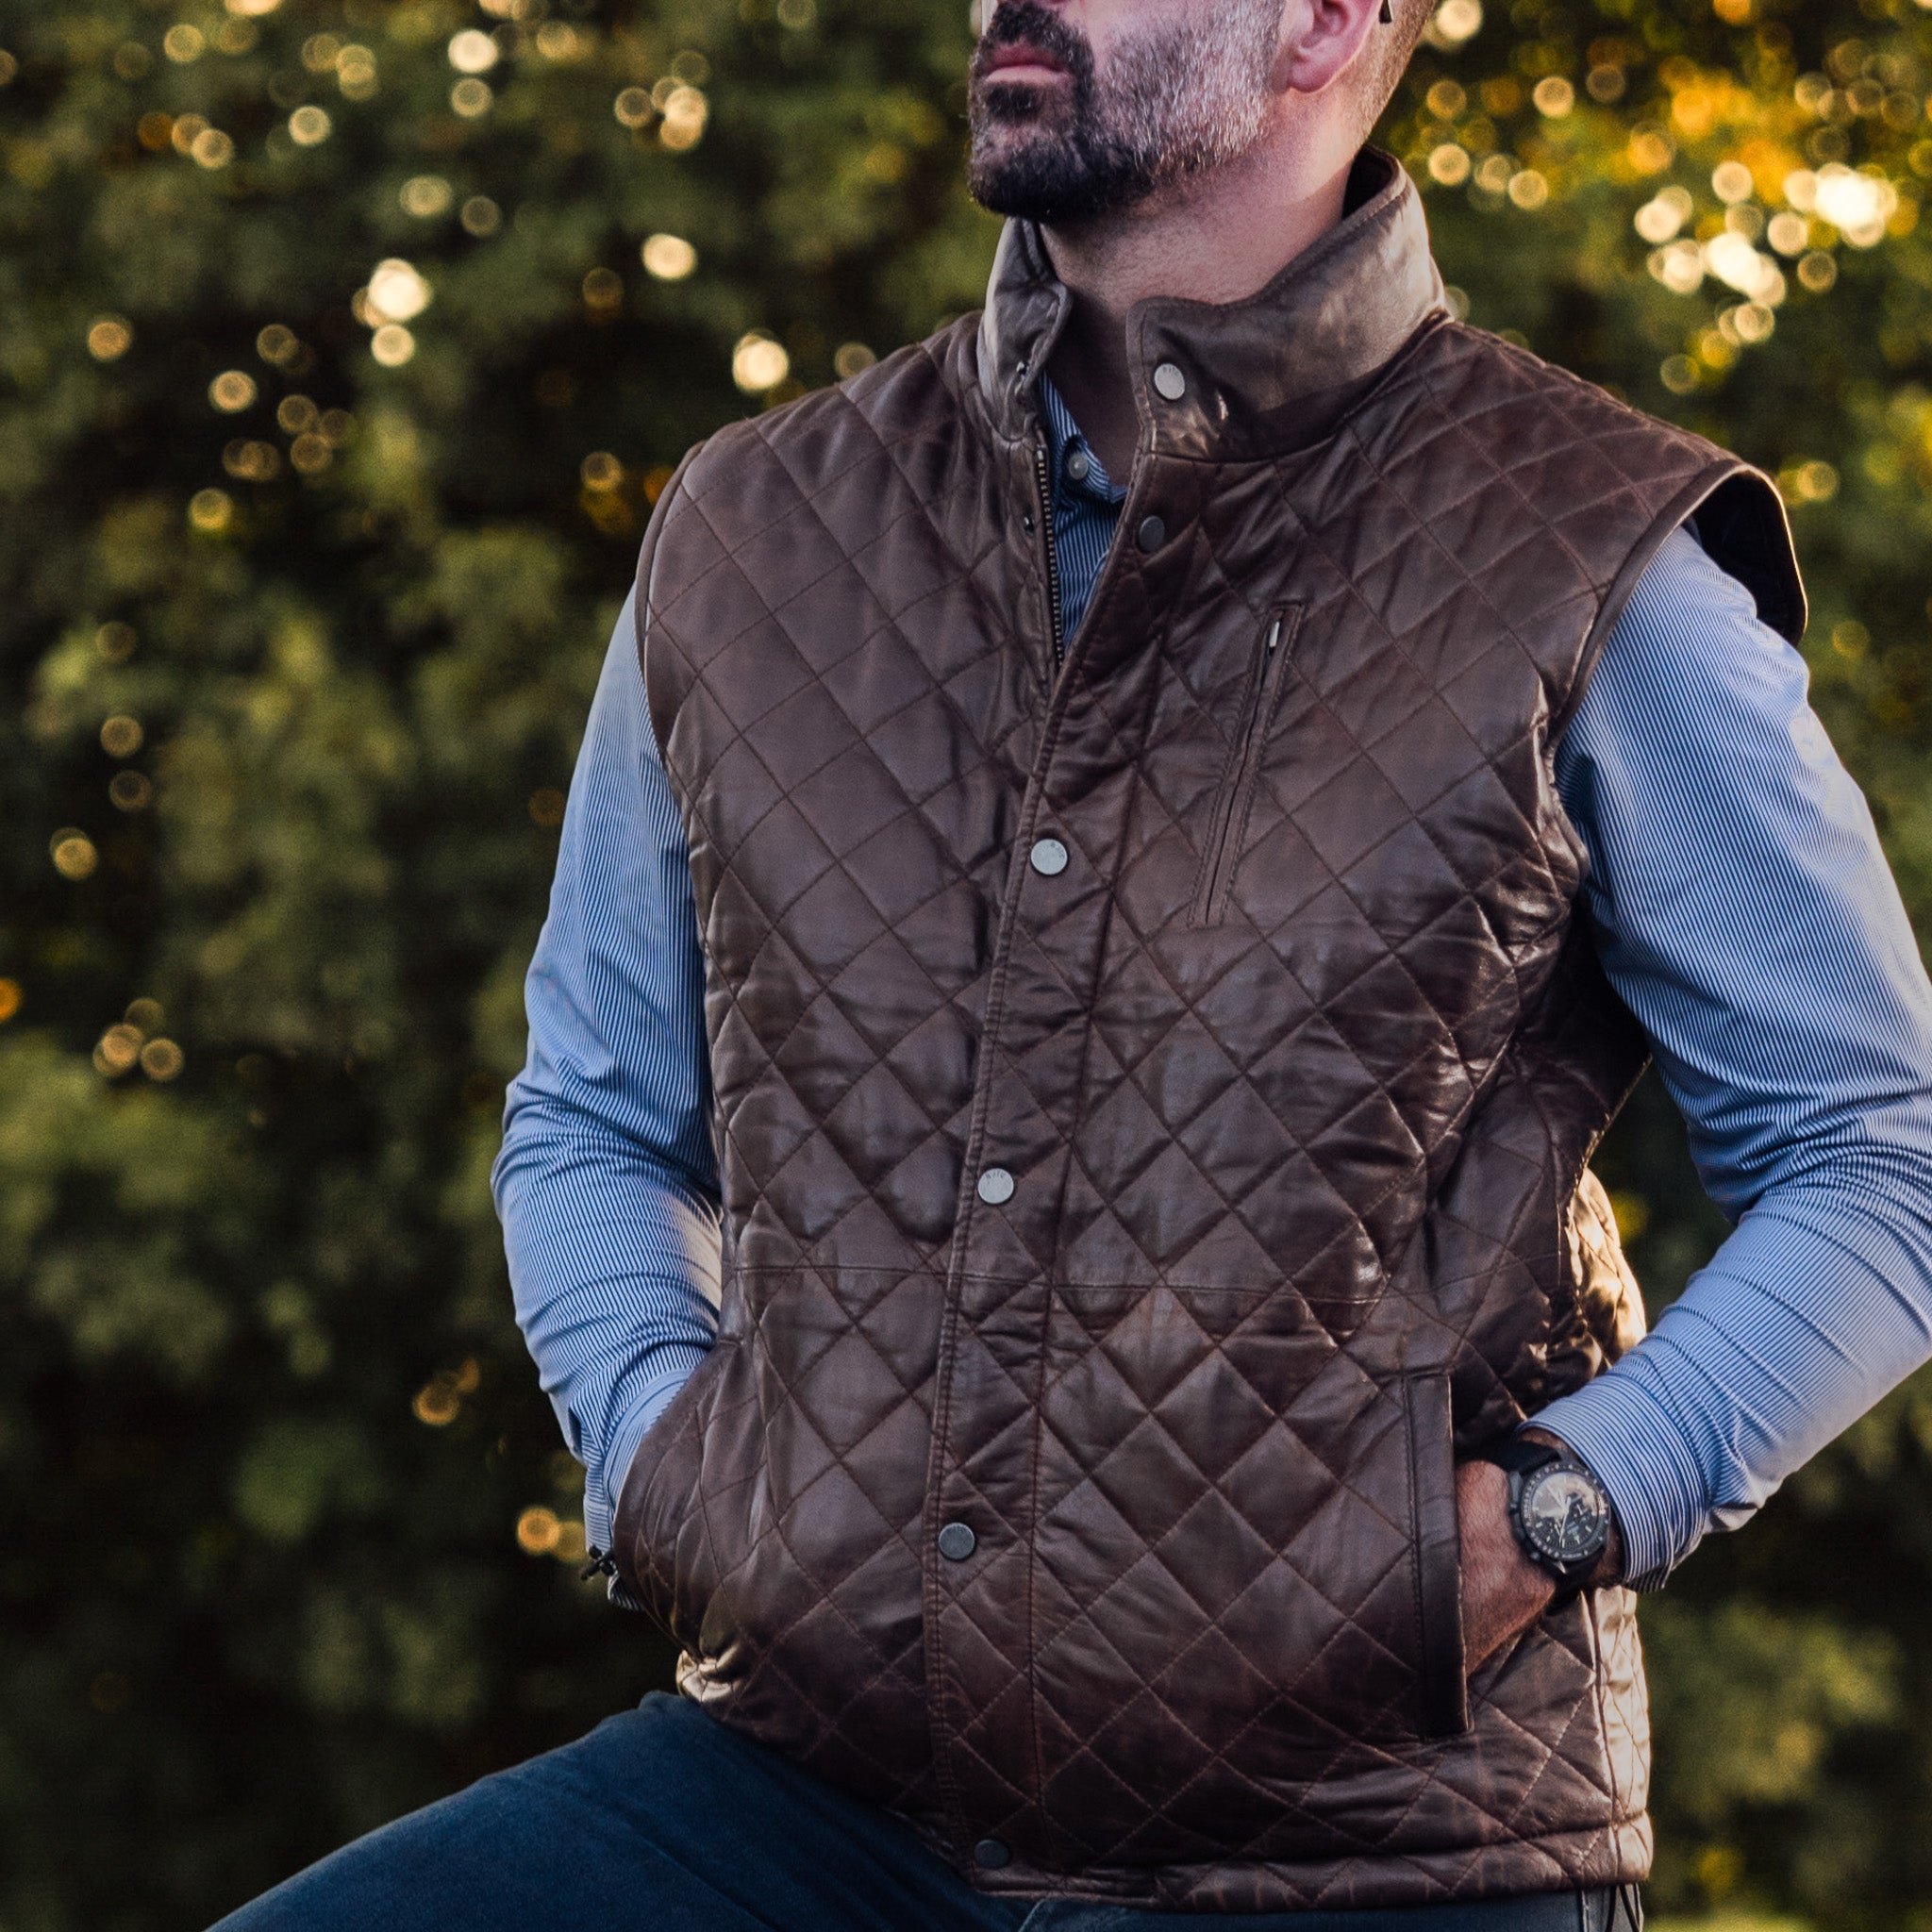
(1518, 1454)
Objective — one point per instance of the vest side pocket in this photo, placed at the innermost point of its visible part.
(658, 1517)
(1443, 1684)
(1230, 818)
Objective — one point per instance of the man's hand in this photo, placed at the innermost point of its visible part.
(1502, 1592)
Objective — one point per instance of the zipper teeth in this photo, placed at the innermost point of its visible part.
(1053, 568)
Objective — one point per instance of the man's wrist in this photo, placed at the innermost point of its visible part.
(1609, 1564)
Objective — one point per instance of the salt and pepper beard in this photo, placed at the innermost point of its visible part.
(1175, 100)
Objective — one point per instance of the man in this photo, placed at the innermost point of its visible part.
(1051, 1180)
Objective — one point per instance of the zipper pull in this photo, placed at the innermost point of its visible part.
(1273, 638)
(601, 1563)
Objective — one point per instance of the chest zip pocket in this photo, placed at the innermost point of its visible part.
(1230, 824)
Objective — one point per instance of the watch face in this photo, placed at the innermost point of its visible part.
(1563, 1514)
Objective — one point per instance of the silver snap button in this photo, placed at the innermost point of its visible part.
(989, 1854)
(1077, 465)
(957, 1541)
(1152, 533)
(1048, 856)
(1169, 382)
(995, 1185)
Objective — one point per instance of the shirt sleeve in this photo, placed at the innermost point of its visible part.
(607, 1182)
(1745, 914)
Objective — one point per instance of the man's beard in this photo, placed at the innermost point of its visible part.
(1173, 101)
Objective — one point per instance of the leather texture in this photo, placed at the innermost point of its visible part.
(1296, 1068)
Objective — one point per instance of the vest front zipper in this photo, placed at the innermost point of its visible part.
(1238, 783)
(1053, 562)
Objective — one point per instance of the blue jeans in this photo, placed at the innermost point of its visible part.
(662, 1819)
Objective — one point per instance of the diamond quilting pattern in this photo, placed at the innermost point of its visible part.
(1272, 1175)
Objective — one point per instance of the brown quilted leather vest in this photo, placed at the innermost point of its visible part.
(1123, 1232)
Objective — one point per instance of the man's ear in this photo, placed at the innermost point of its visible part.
(1320, 40)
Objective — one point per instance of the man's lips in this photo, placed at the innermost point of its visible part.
(1018, 61)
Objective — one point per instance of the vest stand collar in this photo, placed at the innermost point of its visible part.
(1266, 373)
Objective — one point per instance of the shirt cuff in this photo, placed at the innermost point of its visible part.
(1636, 1449)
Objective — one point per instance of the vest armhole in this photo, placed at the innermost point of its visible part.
(1743, 526)
(646, 579)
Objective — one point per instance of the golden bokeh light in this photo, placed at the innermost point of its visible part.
(211, 149)
(309, 127)
(436, 1404)
(109, 338)
(425, 195)
(538, 1530)
(1453, 22)
(122, 736)
(118, 1051)
(480, 216)
(471, 97)
(310, 452)
(115, 641)
(130, 791)
(162, 1061)
(633, 107)
(251, 461)
(1449, 164)
(393, 345)
(147, 1014)
(472, 51)
(669, 258)
(232, 391)
(850, 358)
(355, 73)
(397, 292)
(1553, 97)
(183, 42)
(9, 999)
(759, 363)
(212, 511)
(600, 471)
(685, 112)
(603, 292)
(72, 852)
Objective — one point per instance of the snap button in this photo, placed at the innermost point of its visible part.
(1078, 465)
(1152, 533)
(995, 1185)
(957, 1541)
(1048, 856)
(989, 1854)
(1169, 381)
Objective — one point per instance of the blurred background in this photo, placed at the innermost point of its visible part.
(343, 346)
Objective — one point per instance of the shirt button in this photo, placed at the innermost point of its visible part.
(1077, 465)
(1152, 533)
(1048, 856)
(995, 1185)
(989, 1854)
(1169, 381)
(957, 1541)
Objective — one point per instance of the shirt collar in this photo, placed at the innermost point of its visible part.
(1077, 471)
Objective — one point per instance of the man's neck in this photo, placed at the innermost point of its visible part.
(1219, 239)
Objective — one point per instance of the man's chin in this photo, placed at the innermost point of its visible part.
(1038, 175)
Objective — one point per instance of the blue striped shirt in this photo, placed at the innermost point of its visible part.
(1742, 908)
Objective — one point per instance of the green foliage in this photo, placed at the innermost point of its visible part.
(304, 601)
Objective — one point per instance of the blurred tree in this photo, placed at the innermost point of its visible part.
(344, 345)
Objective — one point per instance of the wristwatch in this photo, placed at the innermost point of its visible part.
(1558, 1509)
